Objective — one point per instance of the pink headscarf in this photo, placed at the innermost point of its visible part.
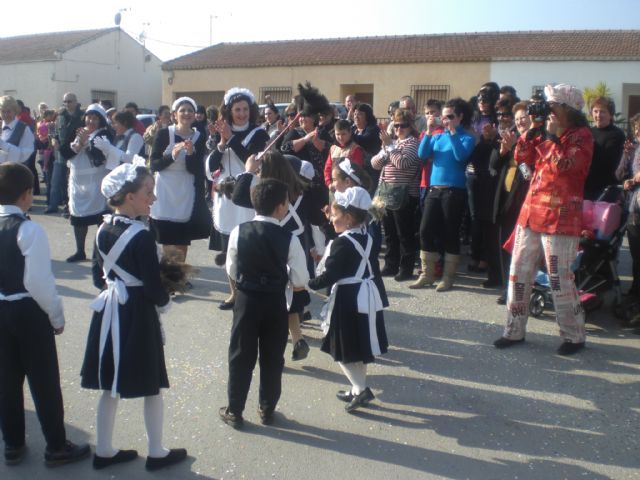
(566, 94)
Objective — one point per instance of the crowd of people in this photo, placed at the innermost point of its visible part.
(290, 204)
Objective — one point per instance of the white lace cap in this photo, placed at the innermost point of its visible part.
(306, 170)
(356, 197)
(115, 180)
(347, 168)
(176, 104)
(96, 108)
(238, 91)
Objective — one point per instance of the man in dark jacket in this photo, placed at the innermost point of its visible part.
(69, 120)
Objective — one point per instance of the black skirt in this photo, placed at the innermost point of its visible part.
(142, 369)
(87, 221)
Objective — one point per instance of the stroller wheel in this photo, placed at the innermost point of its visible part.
(536, 304)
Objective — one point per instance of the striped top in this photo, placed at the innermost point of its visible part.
(400, 164)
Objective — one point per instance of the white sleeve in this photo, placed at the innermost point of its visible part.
(133, 148)
(23, 151)
(319, 239)
(297, 262)
(232, 254)
(38, 277)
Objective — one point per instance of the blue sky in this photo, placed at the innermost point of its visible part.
(176, 28)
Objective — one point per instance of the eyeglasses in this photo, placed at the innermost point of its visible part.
(451, 116)
(504, 114)
(401, 125)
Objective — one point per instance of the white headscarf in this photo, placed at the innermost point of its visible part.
(356, 197)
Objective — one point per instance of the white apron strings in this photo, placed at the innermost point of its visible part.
(293, 213)
(114, 295)
(369, 301)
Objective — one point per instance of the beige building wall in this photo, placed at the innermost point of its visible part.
(389, 81)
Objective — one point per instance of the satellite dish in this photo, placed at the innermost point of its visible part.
(118, 18)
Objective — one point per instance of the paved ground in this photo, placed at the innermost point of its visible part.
(448, 404)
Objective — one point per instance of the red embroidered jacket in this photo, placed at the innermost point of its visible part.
(554, 201)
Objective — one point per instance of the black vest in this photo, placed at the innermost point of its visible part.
(263, 249)
(11, 258)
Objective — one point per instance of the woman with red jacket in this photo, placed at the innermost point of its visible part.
(550, 221)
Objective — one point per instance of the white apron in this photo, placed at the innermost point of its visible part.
(226, 214)
(174, 189)
(85, 198)
(369, 301)
(115, 294)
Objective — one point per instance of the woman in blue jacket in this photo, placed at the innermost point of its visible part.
(445, 201)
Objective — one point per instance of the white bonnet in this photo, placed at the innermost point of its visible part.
(116, 178)
(356, 197)
(239, 92)
(176, 104)
(96, 108)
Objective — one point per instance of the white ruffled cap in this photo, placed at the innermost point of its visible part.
(115, 180)
(565, 94)
(346, 167)
(235, 91)
(179, 101)
(306, 170)
(96, 108)
(356, 197)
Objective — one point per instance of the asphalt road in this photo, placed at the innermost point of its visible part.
(448, 405)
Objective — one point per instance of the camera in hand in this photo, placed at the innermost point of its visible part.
(539, 109)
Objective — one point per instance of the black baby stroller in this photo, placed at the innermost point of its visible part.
(596, 265)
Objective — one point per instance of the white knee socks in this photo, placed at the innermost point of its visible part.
(153, 418)
(356, 372)
(107, 406)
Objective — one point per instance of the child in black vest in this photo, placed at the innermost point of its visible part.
(30, 315)
(259, 254)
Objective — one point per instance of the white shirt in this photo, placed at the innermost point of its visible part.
(11, 153)
(133, 147)
(296, 260)
(38, 277)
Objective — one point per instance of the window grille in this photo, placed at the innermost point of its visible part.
(275, 94)
(422, 93)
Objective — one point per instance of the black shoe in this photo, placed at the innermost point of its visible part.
(403, 276)
(220, 259)
(344, 395)
(360, 400)
(51, 210)
(176, 455)
(266, 416)
(77, 257)
(568, 348)
(502, 299)
(491, 284)
(300, 350)
(226, 305)
(14, 455)
(389, 271)
(306, 316)
(231, 419)
(503, 342)
(121, 457)
(70, 452)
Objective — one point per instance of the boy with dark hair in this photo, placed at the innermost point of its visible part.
(262, 258)
(30, 314)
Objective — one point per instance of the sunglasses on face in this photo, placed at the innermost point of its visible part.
(401, 125)
(451, 116)
(291, 115)
(504, 114)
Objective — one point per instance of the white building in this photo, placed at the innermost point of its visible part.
(104, 64)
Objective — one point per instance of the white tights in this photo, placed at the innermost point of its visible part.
(153, 413)
(356, 372)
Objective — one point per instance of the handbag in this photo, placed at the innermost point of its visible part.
(392, 196)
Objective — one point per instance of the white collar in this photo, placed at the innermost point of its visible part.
(12, 124)
(239, 128)
(264, 218)
(10, 210)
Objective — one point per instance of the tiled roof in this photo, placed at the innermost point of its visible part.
(41, 47)
(461, 47)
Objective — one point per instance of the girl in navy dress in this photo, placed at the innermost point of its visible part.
(125, 354)
(353, 319)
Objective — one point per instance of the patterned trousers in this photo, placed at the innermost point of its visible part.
(559, 252)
